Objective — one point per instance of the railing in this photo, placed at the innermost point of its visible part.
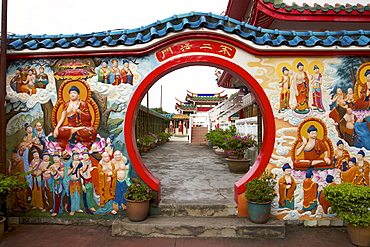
(225, 125)
(219, 114)
(247, 126)
(149, 121)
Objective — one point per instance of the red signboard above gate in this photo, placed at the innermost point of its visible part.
(192, 46)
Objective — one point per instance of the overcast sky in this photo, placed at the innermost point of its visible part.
(86, 16)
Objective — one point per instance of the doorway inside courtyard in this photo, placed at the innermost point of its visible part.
(189, 174)
(186, 174)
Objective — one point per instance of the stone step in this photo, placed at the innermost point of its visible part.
(195, 227)
(199, 132)
(193, 210)
(198, 135)
(198, 144)
(203, 132)
(198, 141)
(202, 137)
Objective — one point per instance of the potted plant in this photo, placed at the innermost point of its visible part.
(137, 198)
(236, 146)
(140, 145)
(217, 137)
(260, 192)
(144, 142)
(9, 184)
(164, 137)
(153, 139)
(352, 204)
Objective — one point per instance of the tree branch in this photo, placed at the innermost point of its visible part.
(15, 110)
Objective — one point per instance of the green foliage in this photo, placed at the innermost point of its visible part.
(9, 184)
(164, 136)
(261, 189)
(138, 192)
(218, 136)
(231, 142)
(237, 145)
(346, 71)
(159, 110)
(350, 202)
(145, 141)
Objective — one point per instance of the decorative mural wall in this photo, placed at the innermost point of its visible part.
(65, 118)
(322, 138)
(64, 125)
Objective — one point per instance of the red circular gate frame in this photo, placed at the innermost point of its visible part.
(206, 60)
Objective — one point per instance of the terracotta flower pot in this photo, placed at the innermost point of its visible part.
(359, 235)
(238, 165)
(137, 210)
(2, 222)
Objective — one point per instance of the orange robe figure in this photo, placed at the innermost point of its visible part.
(323, 202)
(338, 162)
(107, 185)
(19, 199)
(362, 177)
(286, 194)
(310, 195)
(95, 157)
(302, 97)
(350, 175)
(36, 185)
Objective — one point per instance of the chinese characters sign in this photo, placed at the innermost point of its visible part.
(207, 46)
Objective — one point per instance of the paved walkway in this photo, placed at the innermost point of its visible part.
(62, 235)
(191, 174)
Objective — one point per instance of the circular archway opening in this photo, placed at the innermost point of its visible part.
(189, 170)
(205, 60)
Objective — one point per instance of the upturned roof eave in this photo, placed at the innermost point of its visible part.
(189, 24)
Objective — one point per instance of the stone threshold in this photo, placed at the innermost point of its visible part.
(198, 227)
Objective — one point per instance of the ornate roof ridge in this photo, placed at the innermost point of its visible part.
(320, 7)
(192, 20)
(205, 93)
(205, 98)
(187, 107)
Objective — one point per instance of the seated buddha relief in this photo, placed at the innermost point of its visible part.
(312, 149)
(75, 115)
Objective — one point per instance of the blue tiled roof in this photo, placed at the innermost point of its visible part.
(170, 115)
(191, 20)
